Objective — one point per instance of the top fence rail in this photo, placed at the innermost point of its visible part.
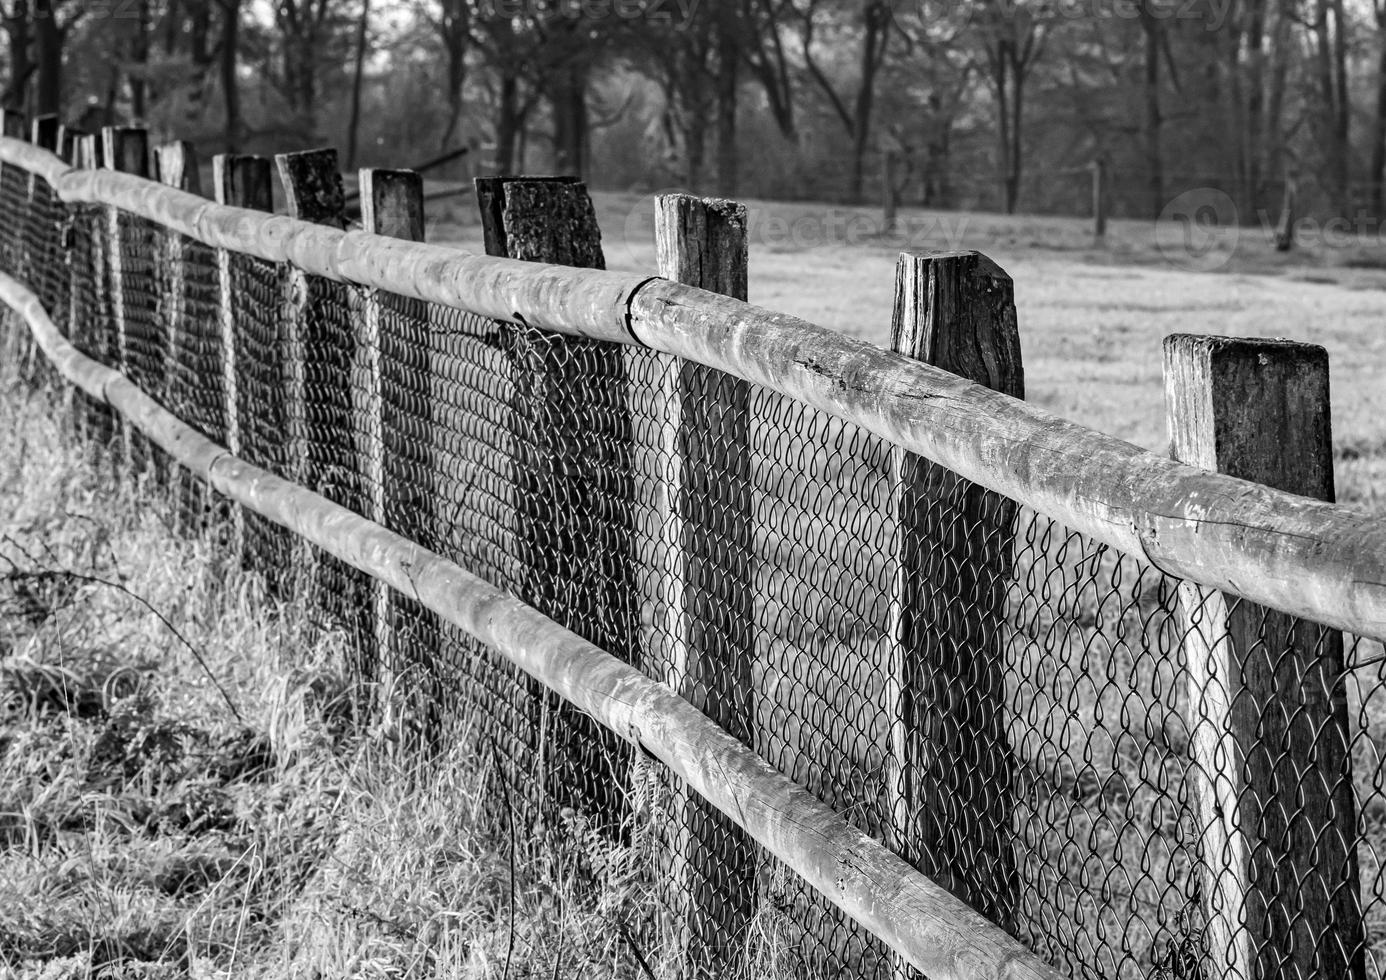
(1316, 560)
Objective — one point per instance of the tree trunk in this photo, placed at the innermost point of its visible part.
(230, 85)
(457, 77)
(872, 51)
(728, 64)
(1342, 121)
(1335, 154)
(695, 149)
(1153, 116)
(1017, 156)
(507, 123)
(18, 27)
(1379, 129)
(1279, 73)
(1255, 105)
(139, 57)
(569, 104)
(49, 43)
(354, 124)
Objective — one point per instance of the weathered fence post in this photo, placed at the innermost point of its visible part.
(126, 150)
(313, 347)
(175, 164)
(392, 205)
(87, 321)
(709, 581)
(950, 766)
(90, 152)
(1099, 198)
(571, 438)
(241, 182)
(1268, 715)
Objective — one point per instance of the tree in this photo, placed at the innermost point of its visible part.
(1011, 36)
(452, 23)
(874, 27)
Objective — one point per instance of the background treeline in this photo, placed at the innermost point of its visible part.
(993, 104)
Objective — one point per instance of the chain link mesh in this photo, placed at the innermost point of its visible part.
(1034, 720)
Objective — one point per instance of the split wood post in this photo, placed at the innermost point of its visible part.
(175, 164)
(1099, 198)
(314, 352)
(950, 772)
(125, 149)
(1268, 723)
(68, 138)
(1285, 228)
(243, 182)
(709, 581)
(574, 523)
(392, 205)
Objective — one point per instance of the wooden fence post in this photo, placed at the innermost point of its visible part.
(950, 773)
(1099, 198)
(126, 149)
(175, 165)
(89, 152)
(242, 182)
(312, 348)
(574, 524)
(392, 205)
(709, 583)
(1268, 715)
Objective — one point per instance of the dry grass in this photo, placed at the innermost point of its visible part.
(186, 788)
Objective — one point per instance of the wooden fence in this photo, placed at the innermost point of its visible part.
(1252, 558)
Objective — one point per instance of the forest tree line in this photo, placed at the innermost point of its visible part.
(999, 104)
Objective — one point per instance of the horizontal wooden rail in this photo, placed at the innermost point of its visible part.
(1304, 557)
(584, 303)
(1321, 561)
(934, 931)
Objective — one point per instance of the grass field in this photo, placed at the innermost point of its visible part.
(185, 786)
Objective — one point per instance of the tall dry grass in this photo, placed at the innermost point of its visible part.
(187, 787)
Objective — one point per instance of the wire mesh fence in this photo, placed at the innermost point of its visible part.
(1032, 719)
